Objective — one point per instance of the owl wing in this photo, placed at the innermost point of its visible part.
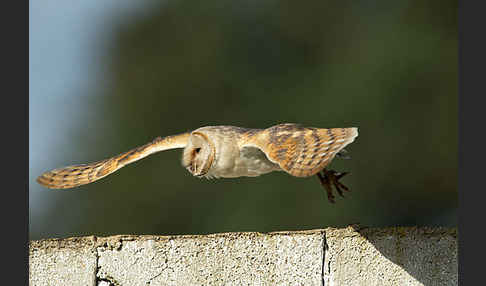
(76, 175)
(301, 151)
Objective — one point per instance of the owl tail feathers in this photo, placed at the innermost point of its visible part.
(82, 174)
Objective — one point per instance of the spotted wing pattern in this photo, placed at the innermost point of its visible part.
(302, 151)
(76, 175)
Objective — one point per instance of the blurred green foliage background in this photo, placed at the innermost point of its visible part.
(387, 67)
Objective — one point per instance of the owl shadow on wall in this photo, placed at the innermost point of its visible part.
(421, 252)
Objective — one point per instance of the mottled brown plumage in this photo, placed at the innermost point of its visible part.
(302, 151)
(229, 152)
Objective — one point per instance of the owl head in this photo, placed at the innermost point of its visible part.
(198, 155)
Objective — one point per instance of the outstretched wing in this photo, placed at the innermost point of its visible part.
(77, 175)
(302, 151)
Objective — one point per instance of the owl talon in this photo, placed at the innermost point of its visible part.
(338, 189)
(335, 179)
(340, 175)
(329, 177)
(343, 186)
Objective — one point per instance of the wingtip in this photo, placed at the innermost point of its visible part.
(42, 180)
(47, 182)
(38, 180)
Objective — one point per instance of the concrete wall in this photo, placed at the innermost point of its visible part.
(347, 256)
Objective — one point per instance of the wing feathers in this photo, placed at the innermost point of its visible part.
(77, 175)
(302, 151)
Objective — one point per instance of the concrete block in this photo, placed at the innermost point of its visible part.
(346, 256)
(391, 256)
(69, 261)
(283, 258)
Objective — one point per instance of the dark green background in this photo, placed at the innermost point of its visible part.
(387, 67)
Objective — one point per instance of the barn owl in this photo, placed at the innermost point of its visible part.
(230, 152)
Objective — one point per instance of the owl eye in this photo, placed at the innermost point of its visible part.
(197, 150)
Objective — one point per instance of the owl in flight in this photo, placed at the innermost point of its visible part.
(230, 152)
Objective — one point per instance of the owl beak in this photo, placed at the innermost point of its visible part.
(189, 168)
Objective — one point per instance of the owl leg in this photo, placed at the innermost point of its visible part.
(326, 183)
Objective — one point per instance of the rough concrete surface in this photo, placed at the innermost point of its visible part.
(391, 256)
(290, 258)
(69, 261)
